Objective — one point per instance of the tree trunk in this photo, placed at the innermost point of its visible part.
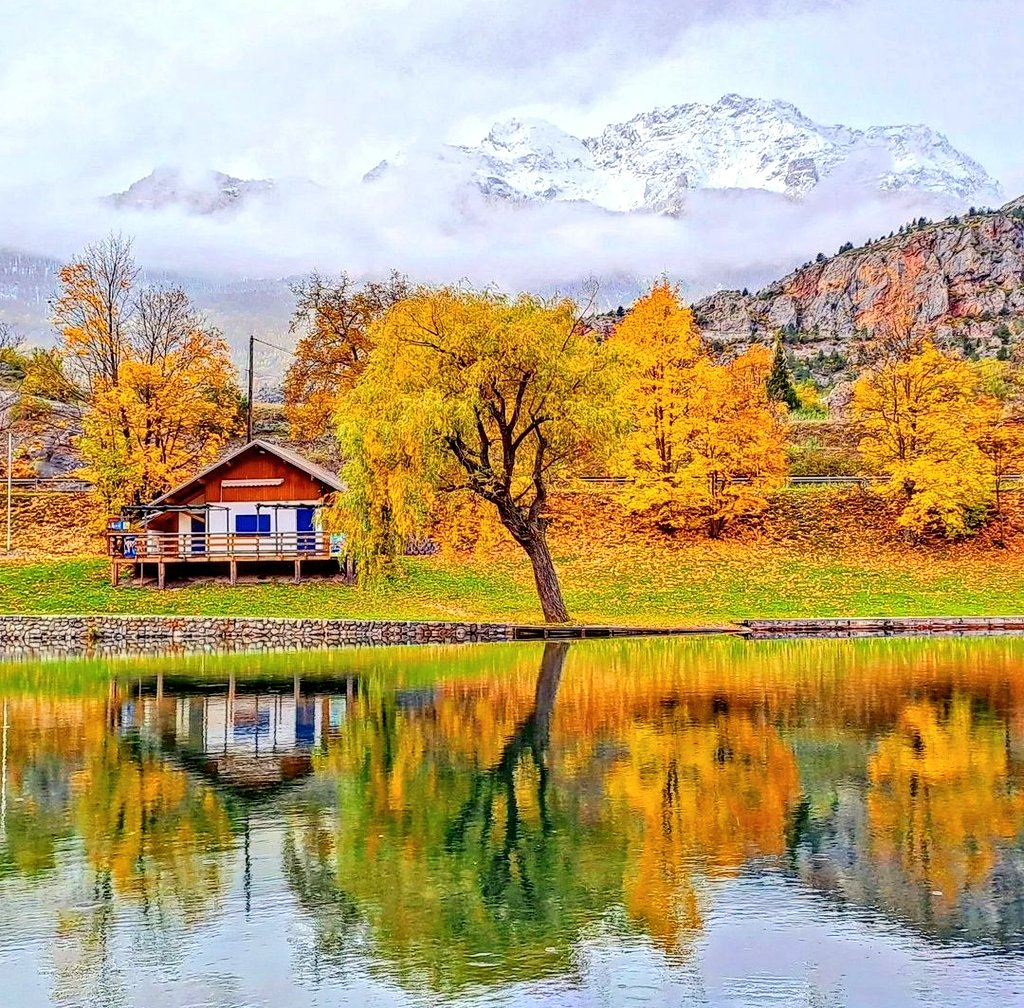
(548, 680)
(545, 576)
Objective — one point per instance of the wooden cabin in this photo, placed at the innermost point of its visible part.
(258, 504)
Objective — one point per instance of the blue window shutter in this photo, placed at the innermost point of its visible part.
(246, 524)
(264, 520)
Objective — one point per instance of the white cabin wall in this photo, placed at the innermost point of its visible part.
(282, 518)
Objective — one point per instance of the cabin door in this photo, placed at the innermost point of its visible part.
(198, 534)
(305, 527)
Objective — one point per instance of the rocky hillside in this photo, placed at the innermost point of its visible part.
(966, 274)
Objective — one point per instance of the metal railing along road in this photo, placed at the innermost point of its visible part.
(52, 484)
(790, 480)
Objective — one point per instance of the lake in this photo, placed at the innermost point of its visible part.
(702, 821)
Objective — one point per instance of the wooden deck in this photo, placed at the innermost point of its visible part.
(134, 550)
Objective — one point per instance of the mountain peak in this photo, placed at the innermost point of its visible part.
(202, 192)
(653, 160)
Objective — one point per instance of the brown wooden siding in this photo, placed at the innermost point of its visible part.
(253, 465)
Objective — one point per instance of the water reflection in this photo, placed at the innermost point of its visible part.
(489, 819)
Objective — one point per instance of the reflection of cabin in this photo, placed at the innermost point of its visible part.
(260, 503)
(245, 737)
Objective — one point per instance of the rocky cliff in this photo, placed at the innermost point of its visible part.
(965, 274)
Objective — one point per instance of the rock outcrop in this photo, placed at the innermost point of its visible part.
(965, 275)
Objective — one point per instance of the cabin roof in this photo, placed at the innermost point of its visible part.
(317, 472)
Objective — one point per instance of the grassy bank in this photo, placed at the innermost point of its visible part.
(699, 584)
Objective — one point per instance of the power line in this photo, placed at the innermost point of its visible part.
(253, 339)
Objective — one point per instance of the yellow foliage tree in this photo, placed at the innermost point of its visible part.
(921, 416)
(161, 396)
(705, 442)
(478, 394)
(1002, 440)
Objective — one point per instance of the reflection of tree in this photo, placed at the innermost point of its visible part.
(155, 833)
(310, 867)
(461, 850)
(509, 799)
(480, 863)
(150, 834)
(942, 800)
(703, 797)
(45, 745)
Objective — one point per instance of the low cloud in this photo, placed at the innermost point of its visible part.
(427, 221)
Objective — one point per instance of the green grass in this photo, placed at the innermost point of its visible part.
(703, 584)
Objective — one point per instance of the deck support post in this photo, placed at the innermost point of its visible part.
(114, 574)
(161, 574)
(233, 571)
(298, 570)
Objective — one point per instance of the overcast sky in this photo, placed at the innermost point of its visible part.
(94, 94)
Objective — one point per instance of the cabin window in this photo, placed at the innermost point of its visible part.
(252, 524)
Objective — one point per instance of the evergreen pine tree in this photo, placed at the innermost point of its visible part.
(780, 385)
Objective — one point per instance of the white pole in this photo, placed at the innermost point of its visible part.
(10, 483)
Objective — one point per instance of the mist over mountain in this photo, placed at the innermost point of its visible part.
(726, 195)
(201, 193)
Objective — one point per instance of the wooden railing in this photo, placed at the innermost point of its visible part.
(213, 546)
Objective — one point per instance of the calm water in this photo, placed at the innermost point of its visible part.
(707, 822)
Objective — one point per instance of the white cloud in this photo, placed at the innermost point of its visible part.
(93, 95)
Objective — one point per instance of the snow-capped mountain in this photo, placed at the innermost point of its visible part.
(207, 192)
(652, 162)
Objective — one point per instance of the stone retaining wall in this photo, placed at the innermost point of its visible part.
(146, 634)
(893, 626)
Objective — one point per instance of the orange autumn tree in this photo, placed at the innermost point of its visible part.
(335, 319)
(160, 392)
(705, 443)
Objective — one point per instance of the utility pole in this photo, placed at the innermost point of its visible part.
(248, 425)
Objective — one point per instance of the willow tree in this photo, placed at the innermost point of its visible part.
(479, 394)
